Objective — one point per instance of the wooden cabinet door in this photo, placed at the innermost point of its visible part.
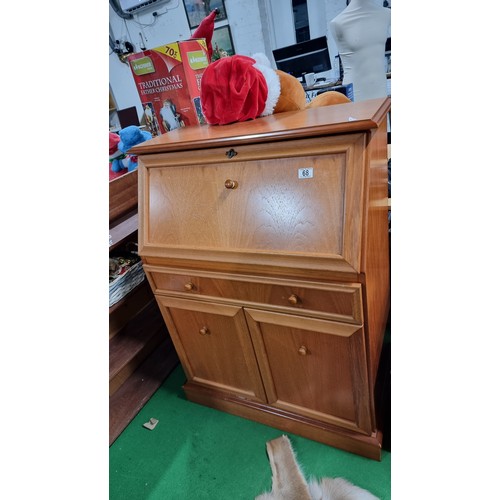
(313, 367)
(214, 346)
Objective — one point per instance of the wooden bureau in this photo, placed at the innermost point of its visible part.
(266, 246)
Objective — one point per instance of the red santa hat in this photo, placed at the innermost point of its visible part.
(238, 88)
(206, 30)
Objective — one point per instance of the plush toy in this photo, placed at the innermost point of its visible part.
(239, 88)
(130, 137)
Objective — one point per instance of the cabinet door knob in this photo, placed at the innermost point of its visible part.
(189, 286)
(229, 184)
(293, 299)
(204, 331)
(302, 350)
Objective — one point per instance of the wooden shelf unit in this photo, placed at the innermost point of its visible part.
(141, 354)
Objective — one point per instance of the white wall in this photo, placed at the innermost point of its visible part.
(281, 23)
(256, 26)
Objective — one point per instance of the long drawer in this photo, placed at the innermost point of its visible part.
(338, 301)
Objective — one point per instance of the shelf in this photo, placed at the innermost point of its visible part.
(134, 342)
(127, 401)
(141, 353)
(123, 229)
(123, 195)
(135, 300)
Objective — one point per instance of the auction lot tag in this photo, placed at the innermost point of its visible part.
(306, 173)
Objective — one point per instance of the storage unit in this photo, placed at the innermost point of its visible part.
(266, 246)
(141, 354)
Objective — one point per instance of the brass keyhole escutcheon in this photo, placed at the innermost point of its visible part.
(294, 299)
(231, 153)
(229, 184)
(302, 350)
(204, 331)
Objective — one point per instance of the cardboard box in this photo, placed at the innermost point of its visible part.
(168, 80)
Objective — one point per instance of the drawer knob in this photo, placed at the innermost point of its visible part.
(231, 153)
(302, 350)
(189, 286)
(293, 299)
(229, 184)
(204, 331)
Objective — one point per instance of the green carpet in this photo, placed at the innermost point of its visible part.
(190, 455)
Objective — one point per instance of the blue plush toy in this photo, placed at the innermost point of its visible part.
(130, 137)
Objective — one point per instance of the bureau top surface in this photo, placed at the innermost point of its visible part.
(327, 120)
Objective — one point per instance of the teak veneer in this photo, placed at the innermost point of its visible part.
(266, 245)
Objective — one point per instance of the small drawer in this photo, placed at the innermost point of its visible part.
(342, 301)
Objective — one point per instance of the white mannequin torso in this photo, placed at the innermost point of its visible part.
(360, 32)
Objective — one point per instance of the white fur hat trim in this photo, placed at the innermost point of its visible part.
(273, 82)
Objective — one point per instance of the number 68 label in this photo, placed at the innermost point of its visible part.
(306, 173)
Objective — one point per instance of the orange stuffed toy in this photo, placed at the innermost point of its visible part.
(240, 88)
(292, 96)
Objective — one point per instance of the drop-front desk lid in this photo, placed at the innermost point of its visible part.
(336, 119)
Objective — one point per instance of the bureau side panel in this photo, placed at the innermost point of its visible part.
(376, 256)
